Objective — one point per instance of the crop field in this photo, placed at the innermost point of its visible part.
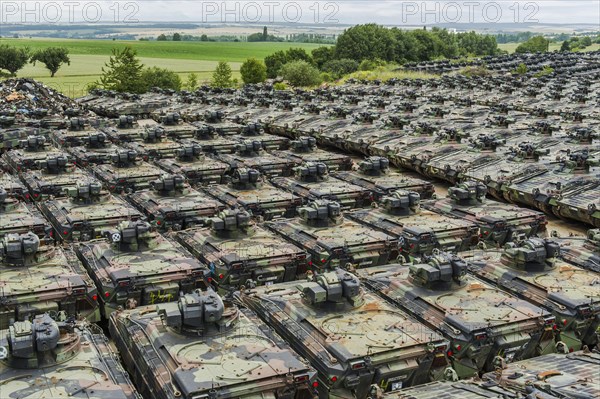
(89, 56)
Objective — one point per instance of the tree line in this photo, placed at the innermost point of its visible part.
(13, 59)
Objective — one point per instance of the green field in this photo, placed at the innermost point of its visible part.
(89, 56)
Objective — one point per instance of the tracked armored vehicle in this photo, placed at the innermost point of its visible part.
(466, 389)
(38, 277)
(153, 144)
(582, 251)
(354, 339)
(135, 266)
(172, 205)
(311, 181)
(247, 189)
(419, 231)
(304, 149)
(29, 152)
(375, 175)
(498, 222)
(201, 346)
(240, 253)
(212, 143)
(95, 149)
(48, 359)
(254, 131)
(86, 212)
(126, 130)
(126, 172)
(251, 155)
(76, 134)
(333, 240)
(19, 217)
(532, 270)
(486, 326)
(12, 185)
(174, 128)
(213, 120)
(197, 168)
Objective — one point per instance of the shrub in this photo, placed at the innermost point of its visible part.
(339, 68)
(161, 77)
(300, 73)
(253, 71)
(222, 75)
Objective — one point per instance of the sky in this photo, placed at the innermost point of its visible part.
(388, 12)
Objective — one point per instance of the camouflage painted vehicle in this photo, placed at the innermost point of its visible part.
(375, 175)
(75, 135)
(11, 137)
(312, 182)
(204, 347)
(19, 217)
(191, 162)
(254, 131)
(451, 166)
(333, 241)
(212, 143)
(532, 270)
(250, 154)
(304, 149)
(248, 189)
(86, 212)
(36, 277)
(580, 251)
(418, 231)
(466, 389)
(126, 130)
(95, 149)
(48, 359)
(486, 326)
(12, 185)
(52, 175)
(580, 200)
(174, 128)
(355, 340)
(172, 205)
(154, 144)
(213, 120)
(558, 375)
(135, 265)
(126, 172)
(498, 222)
(28, 152)
(240, 253)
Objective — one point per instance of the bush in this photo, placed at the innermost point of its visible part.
(161, 77)
(222, 75)
(546, 70)
(192, 82)
(339, 68)
(534, 45)
(280, 86)
(476, 71)
(123, 72)
(521, 69)
(275, 61)
(371, 65)
(52, 57)
(301, 73)
(326, 77)
(253, 71)
(13, 59)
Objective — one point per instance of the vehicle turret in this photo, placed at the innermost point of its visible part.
(401, 202)
(468, 193)
(311, 172)
(531, 255)
(321, 213)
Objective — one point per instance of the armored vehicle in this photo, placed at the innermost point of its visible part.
(304, 149)
(580, 200)
(450, 389)
(580, 251)
(38, 277)
(28, 152)
(95, 149)
(191, 162)
(250, 154)
(126, 172)
(419, 231)
(17, 216)
(174, 128)
(212, 143)
(86, 212)
(76, 134)
(498, 222)
(486, 326)
(12, 185)
(51, 177)
(572, 375)
(247, 189)
(532, 270)
(333, 240)
(353, 338)
(172, 205)
(48, 359)
(203, 347)
(127, 129)
(213, 120)
(375, 175)
(255, 132)
(154, 144)
(239, 252)
(135, 265)
(312, 182)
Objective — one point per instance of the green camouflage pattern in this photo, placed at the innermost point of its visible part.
(485, 325)
(204, 347)
(38, 277)
(126, 129)
(49, 359)
(251, 155)
(465, 389)
(533, 271)
(254, 131)
(18, 217)
(135, 265)
(91, 154)
(191, 162)
(29, 152)
(78, 133)
(172, 204)
(582, 251)
(126, 172)
(12, 185)
(304, 149)
(354, 339)
(240, 253)
(153, 144)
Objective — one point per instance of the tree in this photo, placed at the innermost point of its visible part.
(123, 72)
(13, 59)
(368, 41)
(160, 77)
(192, 82)
(321, 55)
(521, 69)
(52, 57)
(339, 68)
(301, 73)
(176, 37)
(565, 46)
(162, 38)
(274, 62)
(265, 34)
(222, 75)
(534, 45)
(253, 71)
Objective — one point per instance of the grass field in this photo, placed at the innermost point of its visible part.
(89, 56)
